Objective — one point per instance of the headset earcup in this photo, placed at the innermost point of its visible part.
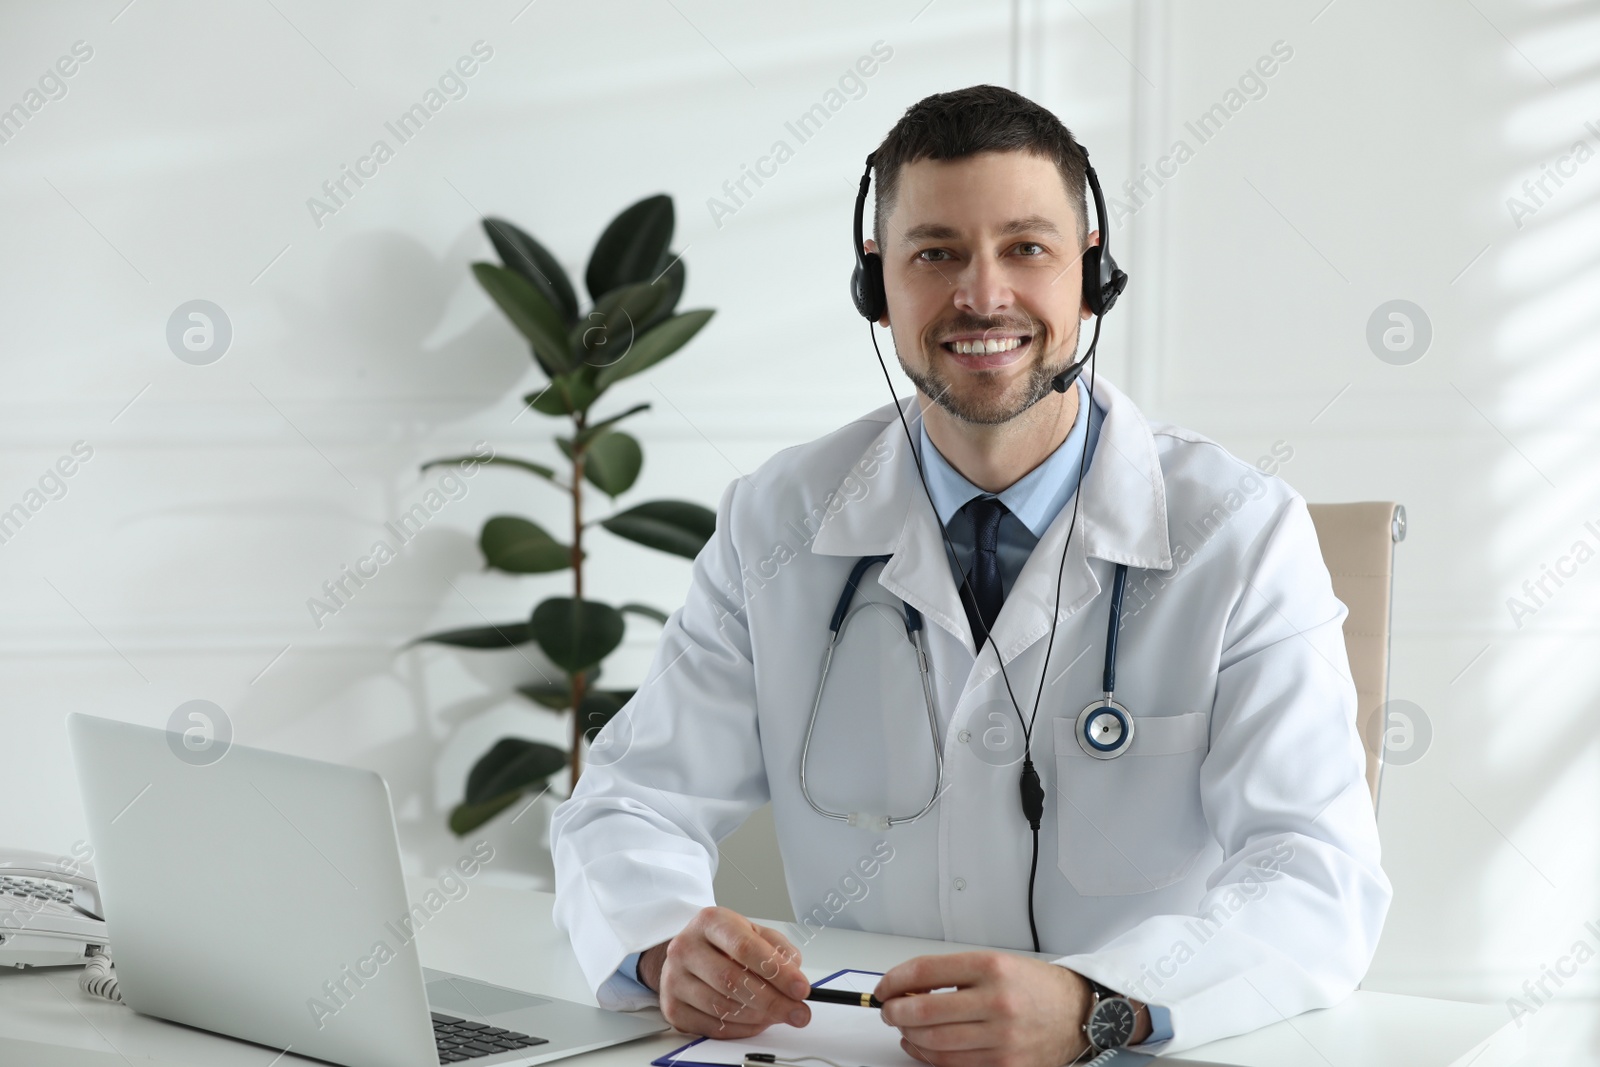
(1103, 281)
(866, 287)
(1092, 292)
(1113, 281)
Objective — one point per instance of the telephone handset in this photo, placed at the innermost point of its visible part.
(50, 912)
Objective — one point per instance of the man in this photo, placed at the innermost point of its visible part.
(1222, 872)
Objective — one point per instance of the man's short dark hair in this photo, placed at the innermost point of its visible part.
(981, 118)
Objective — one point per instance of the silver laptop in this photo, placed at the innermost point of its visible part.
(261, 896)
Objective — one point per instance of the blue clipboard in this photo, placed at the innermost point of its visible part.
(676, 1058)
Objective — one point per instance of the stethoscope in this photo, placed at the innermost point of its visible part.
(842, 614)
(1104, 727)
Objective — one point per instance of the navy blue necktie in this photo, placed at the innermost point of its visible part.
(983, 606)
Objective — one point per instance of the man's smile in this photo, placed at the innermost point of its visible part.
(988, 351)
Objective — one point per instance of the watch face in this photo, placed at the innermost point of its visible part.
(1111, 1025)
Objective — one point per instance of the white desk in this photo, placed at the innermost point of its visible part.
(506, 937)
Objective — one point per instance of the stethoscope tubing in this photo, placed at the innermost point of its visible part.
(1087, 718)
(913, 623)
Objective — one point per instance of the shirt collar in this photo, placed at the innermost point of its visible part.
(1035, 498)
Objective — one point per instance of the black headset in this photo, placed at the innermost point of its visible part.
(1103, 282)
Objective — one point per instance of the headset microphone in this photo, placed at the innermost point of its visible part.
(1103, 282)
(1060, 382)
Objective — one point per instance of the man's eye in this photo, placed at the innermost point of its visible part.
(1032, 244)
(931, 252)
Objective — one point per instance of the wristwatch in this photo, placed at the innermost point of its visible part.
(1111, 1018)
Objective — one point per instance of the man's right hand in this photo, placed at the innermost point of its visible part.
(724, 976)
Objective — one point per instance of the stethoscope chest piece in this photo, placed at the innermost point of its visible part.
(1105, 729)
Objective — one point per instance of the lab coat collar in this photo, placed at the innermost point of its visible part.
(1122, 519)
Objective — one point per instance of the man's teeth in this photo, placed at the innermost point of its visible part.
(981, 348)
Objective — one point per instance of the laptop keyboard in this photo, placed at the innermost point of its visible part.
(460, 1040)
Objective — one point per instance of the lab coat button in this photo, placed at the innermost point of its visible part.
(960, 884)
(964, 736)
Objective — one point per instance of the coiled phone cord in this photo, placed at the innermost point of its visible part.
(99, 977)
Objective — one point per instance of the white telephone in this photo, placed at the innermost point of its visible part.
(49, 911)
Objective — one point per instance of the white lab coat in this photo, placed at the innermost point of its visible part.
(1226, 866)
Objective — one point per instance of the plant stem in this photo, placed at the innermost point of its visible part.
(578, 679)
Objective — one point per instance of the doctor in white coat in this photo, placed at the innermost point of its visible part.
(1220, 873)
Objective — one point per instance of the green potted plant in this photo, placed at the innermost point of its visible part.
(634, 282)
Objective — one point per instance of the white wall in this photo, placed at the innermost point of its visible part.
(1376, 166)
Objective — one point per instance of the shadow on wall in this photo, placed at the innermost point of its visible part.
(379, 389)
(1546, 345)
(1509, 785)
(382, 298)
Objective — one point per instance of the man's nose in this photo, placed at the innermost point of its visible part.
(982, 287)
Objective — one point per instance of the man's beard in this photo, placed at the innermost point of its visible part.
(985, 407)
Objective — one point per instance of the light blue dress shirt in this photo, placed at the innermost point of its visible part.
(624, 981)
(1033, 501)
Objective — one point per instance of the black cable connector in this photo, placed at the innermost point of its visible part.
(1033, 811)
(1032, 794)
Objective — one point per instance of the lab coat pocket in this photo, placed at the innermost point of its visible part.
(1134, 823)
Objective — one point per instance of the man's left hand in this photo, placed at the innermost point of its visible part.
(1006, 1010)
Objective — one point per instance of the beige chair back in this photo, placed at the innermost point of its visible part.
(1358, 546)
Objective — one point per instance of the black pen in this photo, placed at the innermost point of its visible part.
(840, 996)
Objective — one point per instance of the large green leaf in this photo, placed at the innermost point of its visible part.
(600, 706)
(611, 463)
(465, 818)
(566, 394)
(501, 776)
(547, 473)
(513, 763)
(607, 333)
(630, 248)
(653, 346)
(531, 313)
(556, 695)
(576, 635)
(500, 635)
(517, 546)
(593, 430)
(672, 275)
(675, 526)
(521, 253)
